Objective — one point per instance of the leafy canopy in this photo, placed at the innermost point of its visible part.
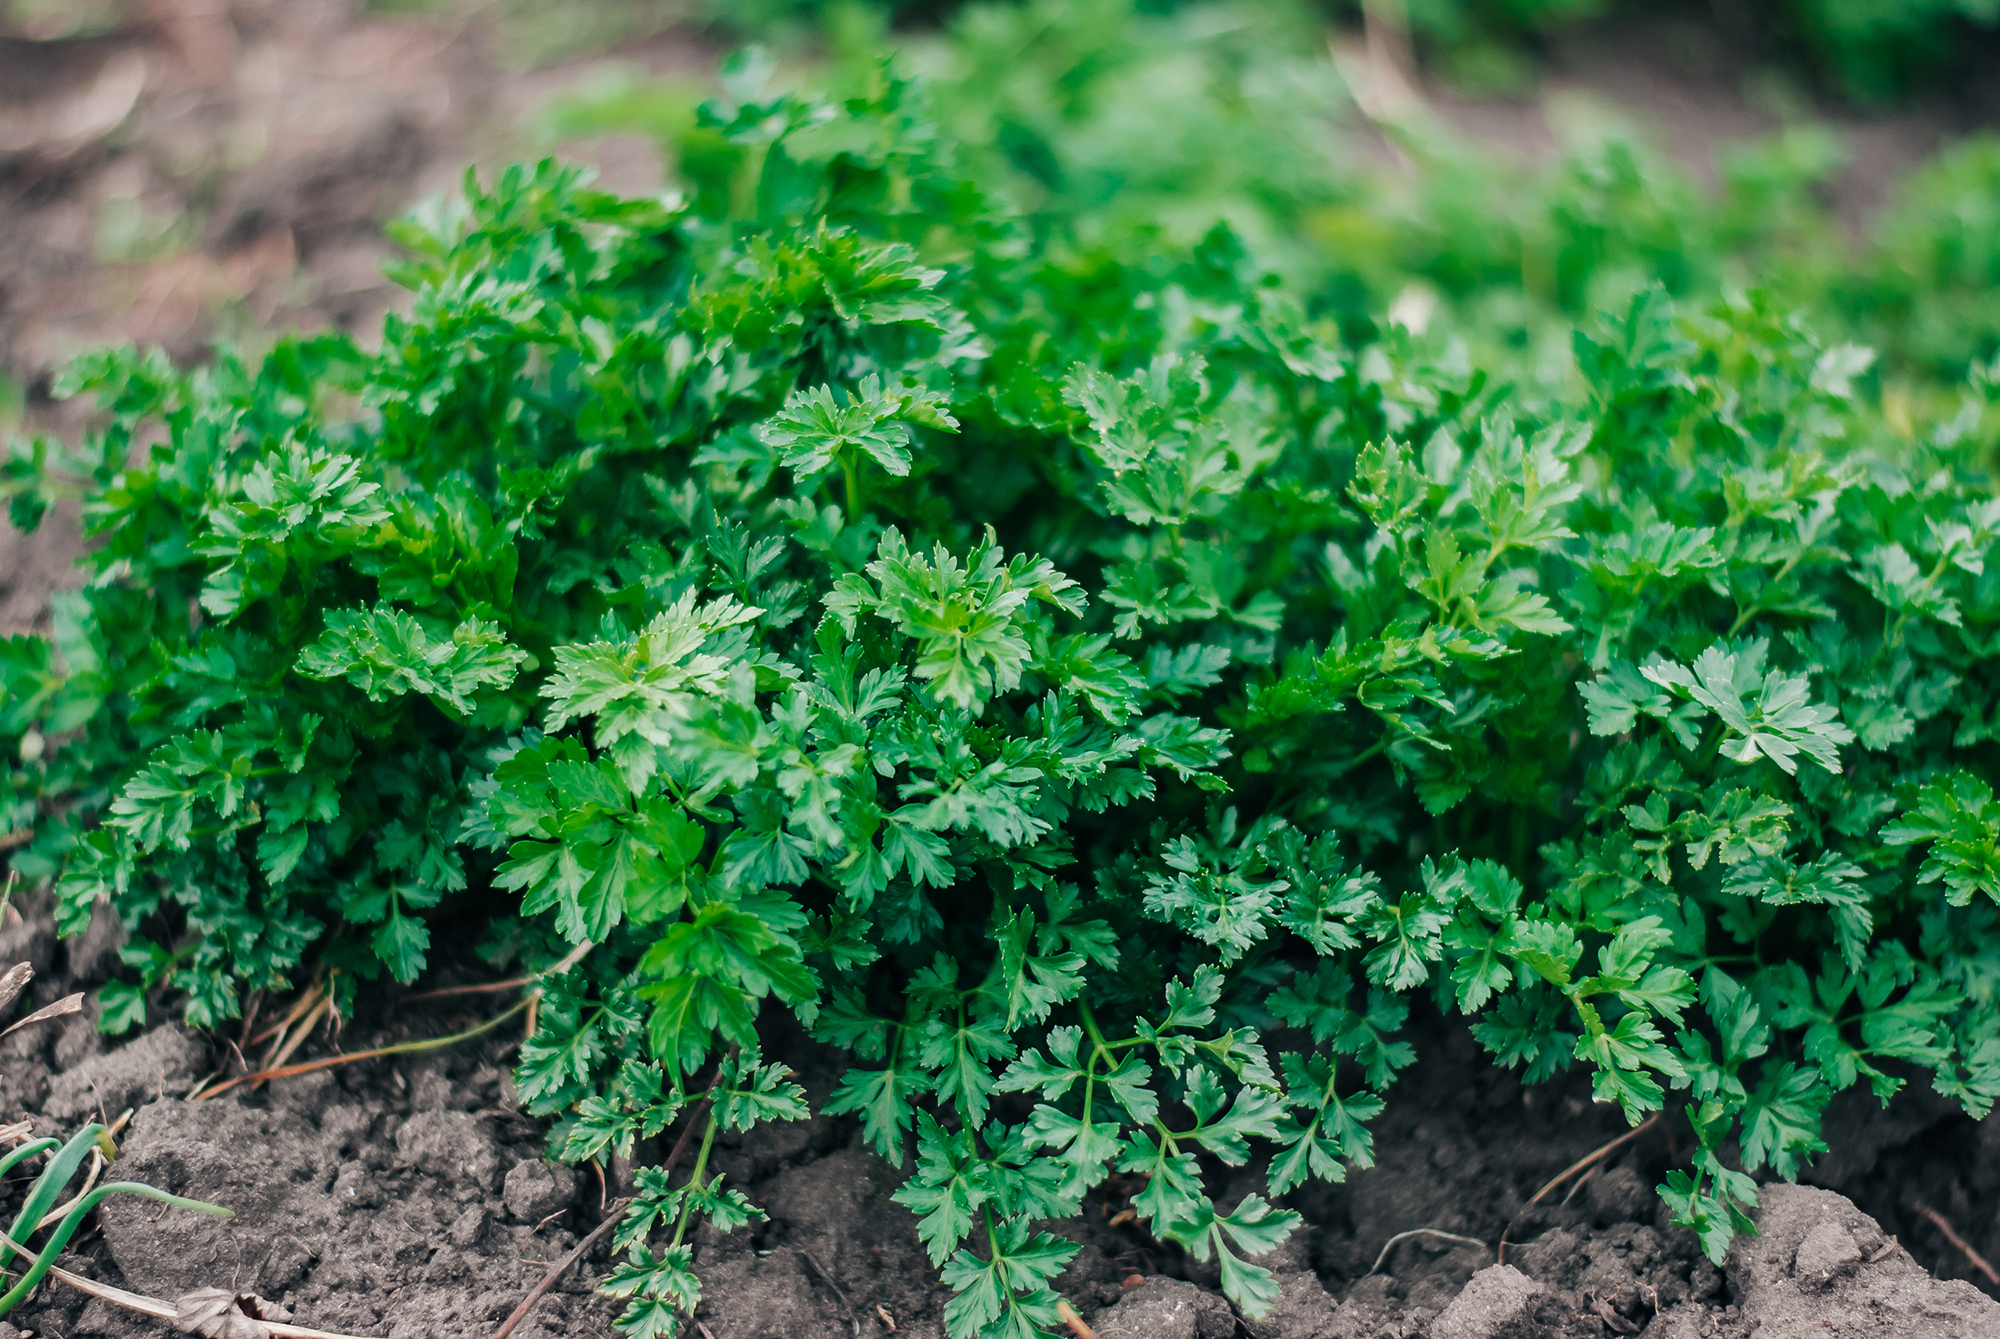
(1098, 696)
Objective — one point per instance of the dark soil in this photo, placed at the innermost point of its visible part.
(407, 1197)
(182, 170)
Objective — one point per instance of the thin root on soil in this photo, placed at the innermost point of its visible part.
(1390, 1244)
(1588, 1160)
(1943, 1224)
(838, 1291)
(374, 1053)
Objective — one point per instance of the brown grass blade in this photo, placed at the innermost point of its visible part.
(62, 1008)
(14, 981)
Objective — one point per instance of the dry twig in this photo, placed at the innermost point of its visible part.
(484, 988)
(286, 1044)
(13, 981)
(1587, 1160)
(168, 1312)
(838, 1291)
(1067, 1315)
(153, 1306)
(1942, 1224)
(62, 1008)
(310, 998)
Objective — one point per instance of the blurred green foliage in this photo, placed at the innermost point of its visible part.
(1867, 51)
(1122, 124)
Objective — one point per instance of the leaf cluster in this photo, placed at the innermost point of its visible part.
(1098, 692)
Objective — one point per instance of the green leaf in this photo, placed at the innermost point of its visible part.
(1769, 718)
(1329, 1132)
(1781, 1120)
(883, 1099)
(1010, 1284)
(1958, 815)
(386, 653)
(817, 428)
(1254, 1227)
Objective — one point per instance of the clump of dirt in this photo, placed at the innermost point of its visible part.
(407, 1199)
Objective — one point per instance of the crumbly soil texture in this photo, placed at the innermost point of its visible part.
(408, 1197)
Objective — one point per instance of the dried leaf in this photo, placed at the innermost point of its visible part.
(62, 1008)
(1611, 1318)
(14, 982)
(215, 1313)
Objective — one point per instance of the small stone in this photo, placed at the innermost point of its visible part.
(1828, 1249)
(535, 1189)
(285, 1266)
(430, 1091)
(450, 1144)
(1212, 1317)
(445, 1265)
(1159, 1308)
(1497, 1303)
(354, 1188)
(469, 1227)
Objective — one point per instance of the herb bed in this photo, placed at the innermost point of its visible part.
(1101, 693)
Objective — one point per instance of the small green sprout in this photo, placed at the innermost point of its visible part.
(42, 1198)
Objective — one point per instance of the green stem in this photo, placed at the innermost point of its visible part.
(1757, 605)
(1090, 1027)
(1711, 746)
(61, 1167)
(694, 1180)
(1363, 756)
(1895, 637)
(847, 468)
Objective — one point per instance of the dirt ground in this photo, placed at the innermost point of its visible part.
(208, 168)
(205, 167)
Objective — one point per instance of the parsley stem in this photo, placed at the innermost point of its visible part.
(694, 1179)
(1090, 1026)
(1363, 756)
